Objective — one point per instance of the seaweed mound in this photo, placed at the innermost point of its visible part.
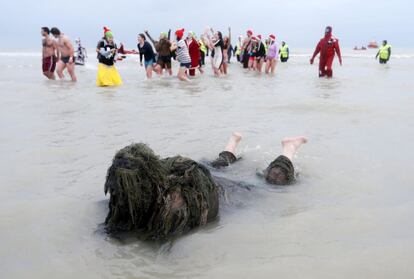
(158, 198)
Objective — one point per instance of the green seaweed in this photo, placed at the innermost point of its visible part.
(158, 198)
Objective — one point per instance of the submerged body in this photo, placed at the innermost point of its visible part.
(161, 198)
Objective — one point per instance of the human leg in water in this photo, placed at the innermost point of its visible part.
(60, 66)
(273, 63)
(182, 74)
(281, 170)
(291, 145)
(71, 70)
(329, 62)
(227, 157)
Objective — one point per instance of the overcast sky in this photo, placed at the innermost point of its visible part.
(299, 22)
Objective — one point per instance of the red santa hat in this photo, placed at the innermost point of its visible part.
(179, 33)
(272, 37)
(106, 29)
(250, 32)
(259, 37)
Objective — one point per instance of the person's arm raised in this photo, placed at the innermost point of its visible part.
(149, 37)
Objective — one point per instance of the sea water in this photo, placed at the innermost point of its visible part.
(350, 215)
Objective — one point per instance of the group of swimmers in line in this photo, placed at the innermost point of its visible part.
(189, 51)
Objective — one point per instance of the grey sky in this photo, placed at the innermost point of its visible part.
(299, 22)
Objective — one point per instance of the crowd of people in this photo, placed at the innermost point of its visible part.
(254, 52)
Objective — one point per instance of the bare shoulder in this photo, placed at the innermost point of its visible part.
(64, 38)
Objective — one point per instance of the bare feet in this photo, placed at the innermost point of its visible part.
(291, 145)
(236, 136)
(233, 142)
(297, 141)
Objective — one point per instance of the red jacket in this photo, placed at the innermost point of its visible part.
(194, 51)
(327, 46)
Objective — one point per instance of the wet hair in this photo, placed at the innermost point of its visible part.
(46, 30)
(280, 172)
(55, 31)
(142, 36)
(220, 36)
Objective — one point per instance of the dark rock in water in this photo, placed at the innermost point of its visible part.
(157, 197)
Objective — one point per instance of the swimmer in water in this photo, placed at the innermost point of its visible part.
(259, 54)
(145, 50)
(48, 54)
(163, 47)
(66, 54)
(279, 172)
(272, 55)
(216, 47)
(107, 54)
(226, 49)
(246, 49)
(183, 55)
(194, 51)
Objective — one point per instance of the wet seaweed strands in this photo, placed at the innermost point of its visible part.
(158, 198)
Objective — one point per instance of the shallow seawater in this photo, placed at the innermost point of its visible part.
(349, 216)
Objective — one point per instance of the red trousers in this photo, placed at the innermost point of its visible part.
(325, 66)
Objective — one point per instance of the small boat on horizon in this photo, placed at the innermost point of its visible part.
(361, 48)
(373, 44)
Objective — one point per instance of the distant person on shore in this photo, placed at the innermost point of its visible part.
(81, 54)
(284, 52)
(327, 47)
(107, 50)
(48, 54)
(384, 53)
(272, 55)
(66, 54)
(183, 55)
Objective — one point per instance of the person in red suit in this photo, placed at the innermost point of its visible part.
(327, 47)
(194, 50)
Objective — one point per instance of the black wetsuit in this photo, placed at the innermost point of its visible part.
(246, 56)
(260, 51)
